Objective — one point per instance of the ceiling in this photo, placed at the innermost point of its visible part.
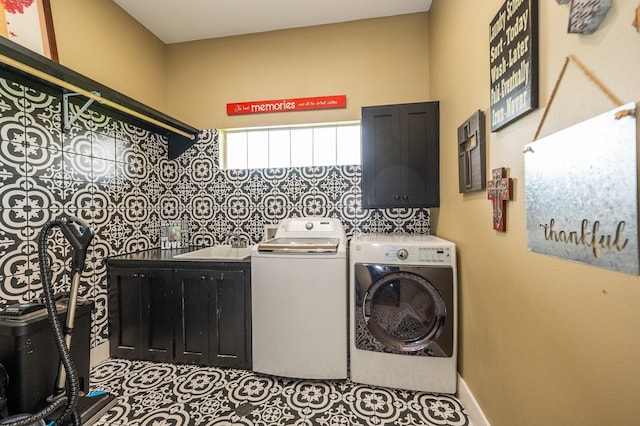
(187, 20)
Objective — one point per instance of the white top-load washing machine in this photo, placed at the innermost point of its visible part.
(299, 300)
(403, 312)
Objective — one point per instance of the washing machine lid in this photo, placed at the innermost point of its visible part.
(300, 245)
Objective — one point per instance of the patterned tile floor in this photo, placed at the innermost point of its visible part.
(159, 394)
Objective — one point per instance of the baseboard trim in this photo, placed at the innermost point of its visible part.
(99, 354)
(476, 416)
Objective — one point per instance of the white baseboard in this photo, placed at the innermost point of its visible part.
(476, 416)
(99, 354)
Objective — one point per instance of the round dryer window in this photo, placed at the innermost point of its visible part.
(404, 311)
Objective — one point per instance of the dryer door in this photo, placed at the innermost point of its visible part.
(404, 311)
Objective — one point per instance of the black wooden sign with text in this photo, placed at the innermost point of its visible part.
(513, 58)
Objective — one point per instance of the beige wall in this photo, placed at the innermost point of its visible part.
(543, 341)
(99, 40)
(373, 61)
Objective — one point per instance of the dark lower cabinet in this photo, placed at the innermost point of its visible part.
(141, 313)
(212, 323)
(196, 315)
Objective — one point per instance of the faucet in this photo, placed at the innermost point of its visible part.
(236, 241)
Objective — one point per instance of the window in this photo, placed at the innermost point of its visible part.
(322, 145)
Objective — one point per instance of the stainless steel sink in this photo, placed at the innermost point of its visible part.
(218, 252)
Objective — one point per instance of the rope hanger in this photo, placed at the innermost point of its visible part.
(591, 79)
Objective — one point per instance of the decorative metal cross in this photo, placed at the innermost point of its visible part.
(499, 192)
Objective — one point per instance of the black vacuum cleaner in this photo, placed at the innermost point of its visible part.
(65, 406)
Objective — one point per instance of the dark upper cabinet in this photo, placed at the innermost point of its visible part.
(401, 155)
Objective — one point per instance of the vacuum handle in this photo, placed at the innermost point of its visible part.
(79, 238)
(79, 234)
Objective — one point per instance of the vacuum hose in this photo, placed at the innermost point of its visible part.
(73, 394)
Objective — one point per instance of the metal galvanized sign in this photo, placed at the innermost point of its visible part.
(581, 188)
(586, 16)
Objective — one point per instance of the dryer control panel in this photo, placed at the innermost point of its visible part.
(440, 255)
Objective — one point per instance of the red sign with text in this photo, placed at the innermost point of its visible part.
(286, 105)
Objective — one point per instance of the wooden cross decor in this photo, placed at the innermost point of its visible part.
(472, 173)
(499, 192)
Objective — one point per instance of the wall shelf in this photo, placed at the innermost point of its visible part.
(26, 63)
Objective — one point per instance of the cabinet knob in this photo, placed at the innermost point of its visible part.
(143, 276)
(397, 197)
(204, 277)
(405, 197)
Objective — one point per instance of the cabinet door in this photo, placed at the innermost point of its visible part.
(194, 313)
(381, 156)
(157, 328)
(231, 329)
(400, 155)
(214, 317)
(420, 135)
(140, 314)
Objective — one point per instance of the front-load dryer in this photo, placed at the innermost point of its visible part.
(403, 312)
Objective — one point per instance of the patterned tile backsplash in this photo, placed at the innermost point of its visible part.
(118, 177)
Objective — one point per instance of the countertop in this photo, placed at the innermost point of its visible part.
(164, 257)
